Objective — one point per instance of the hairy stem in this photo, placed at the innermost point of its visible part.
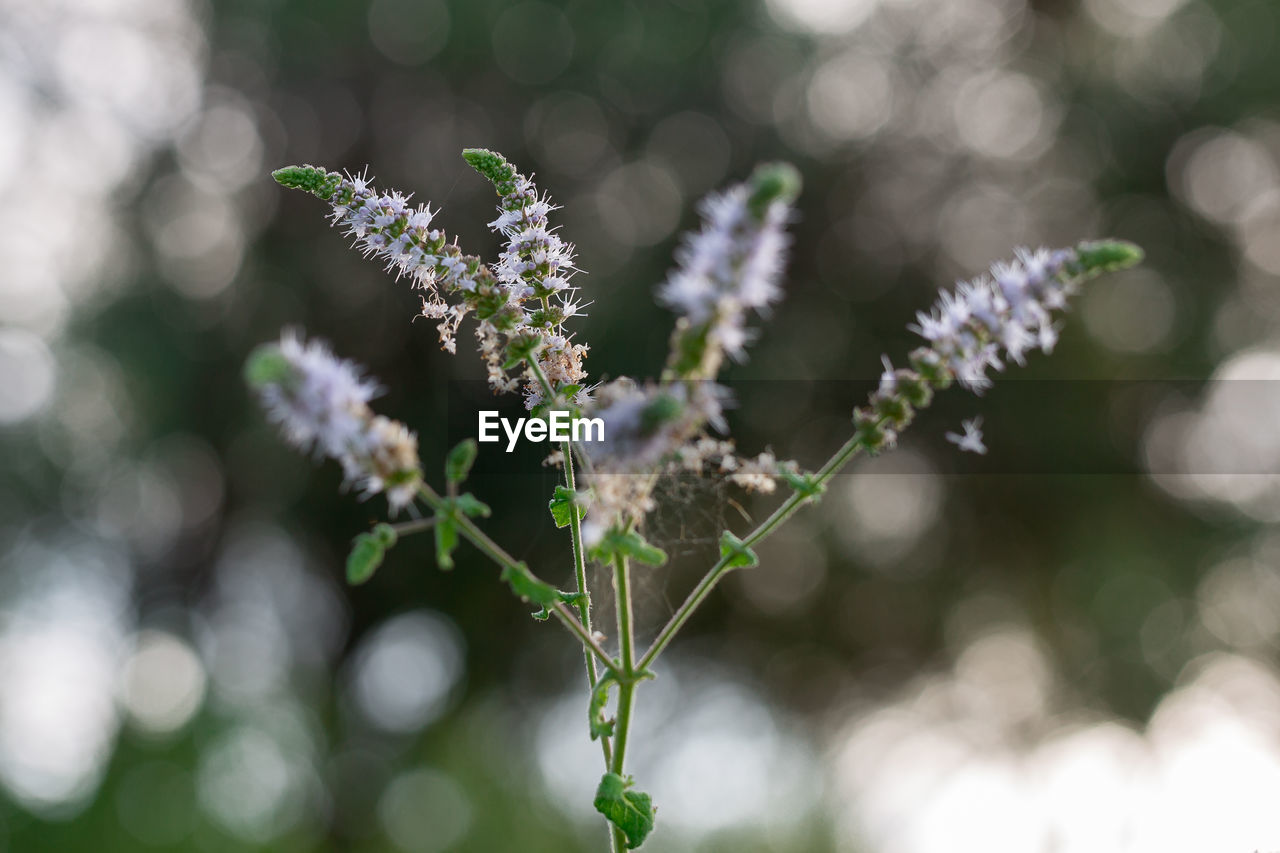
(766, 527)
(579, 553)
(495, 552)
(626, 684)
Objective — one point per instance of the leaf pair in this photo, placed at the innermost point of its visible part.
(447, 516)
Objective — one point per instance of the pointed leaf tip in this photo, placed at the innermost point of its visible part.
(458, 463)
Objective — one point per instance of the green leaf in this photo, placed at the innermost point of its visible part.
(469, 505)
(563, 506)
(572, 599)
(600, 727)
(630, 811)
(739, 556)
(446, 540)
(529, 588)
(385, 533)
(633, 545)
(629, 544)
(365, 557)
(367, 551)
(457, 464)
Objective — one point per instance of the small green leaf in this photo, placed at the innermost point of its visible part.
(469, 505)
(366, 555)
(446, 540)
(735, 551)
(529, 588)
(630, 811)
(633, 545)
(457, 464)
(600, 727)
(385, 533)
(629, 544)
(563, 505)
(572, 599)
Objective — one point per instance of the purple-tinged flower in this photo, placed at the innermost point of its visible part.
(1003, 315)
(728, 268)
(971, 440)
(322, 402)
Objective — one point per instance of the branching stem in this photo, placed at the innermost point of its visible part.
(766, 527)
(495, 552)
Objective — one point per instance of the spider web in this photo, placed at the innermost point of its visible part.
(692, 511)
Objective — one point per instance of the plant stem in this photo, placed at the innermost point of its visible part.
(494, 551)
(626, 684)
(579, 554)
(407, 528)
(580, 574)
(579, 557)
(716, 572)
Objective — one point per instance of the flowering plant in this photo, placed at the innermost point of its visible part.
(727, 271)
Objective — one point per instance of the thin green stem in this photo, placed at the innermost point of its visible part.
(407, 528)
(626, 684)
(579, 552)
(495, 552)
(579, 557)
(766, 527)
(580, 574)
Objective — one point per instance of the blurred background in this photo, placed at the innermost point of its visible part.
(1067, 645)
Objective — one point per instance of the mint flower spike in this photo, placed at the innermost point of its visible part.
(535, 264)
(728, 268)
(386, 226)
(731, 266)
(321, 403)
(984, 323)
